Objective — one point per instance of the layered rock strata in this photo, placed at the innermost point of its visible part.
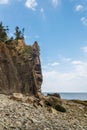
(20, 68)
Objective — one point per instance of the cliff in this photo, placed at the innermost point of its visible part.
(20, 68)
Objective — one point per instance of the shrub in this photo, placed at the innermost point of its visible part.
(18, 33)
(26, 51)
(3, 32)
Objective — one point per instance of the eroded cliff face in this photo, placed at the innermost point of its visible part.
(20, 68)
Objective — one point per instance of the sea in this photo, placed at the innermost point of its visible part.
(71, 96)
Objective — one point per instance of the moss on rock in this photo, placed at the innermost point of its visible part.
(60, 108)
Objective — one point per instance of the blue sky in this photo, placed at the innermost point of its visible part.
(60, 27)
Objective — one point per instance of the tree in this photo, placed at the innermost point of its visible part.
(22, 33)
(3, 32)
(18, 33)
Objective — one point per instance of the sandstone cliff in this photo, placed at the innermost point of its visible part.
(20, 68)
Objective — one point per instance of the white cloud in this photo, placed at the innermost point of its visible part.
(80, 68)
(65, 59)
(77, 62)
(42, 10)
(79, 8)
(72, 81)
(55, 81)
(84, 21)
(55, 3)
(60, 80)
(55, 64)
(4, 1)
(84, 49)
(52, 64)
(31, 4)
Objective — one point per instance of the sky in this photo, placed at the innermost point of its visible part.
(60, 28)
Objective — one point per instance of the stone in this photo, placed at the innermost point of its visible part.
(17, 96)
(1, 127)
(15, 115)
(54, 94)
(30, 99)
(52, 101)
(41, 103)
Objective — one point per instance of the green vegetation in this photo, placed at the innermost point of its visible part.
(60, 108)
(19, 34)
(26, 51)
(3, 32)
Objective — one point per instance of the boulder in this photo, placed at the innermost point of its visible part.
(17, 96)
(54, 102)
(54, 94)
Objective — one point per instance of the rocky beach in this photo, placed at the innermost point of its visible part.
(24, 114)
(22, 104)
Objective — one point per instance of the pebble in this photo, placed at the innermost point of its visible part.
(1, 126)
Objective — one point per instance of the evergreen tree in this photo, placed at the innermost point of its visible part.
(18, 33)
(3, 32)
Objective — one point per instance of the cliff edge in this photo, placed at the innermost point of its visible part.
(20, 68)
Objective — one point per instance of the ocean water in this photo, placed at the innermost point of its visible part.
(80, 96)
(69, 96)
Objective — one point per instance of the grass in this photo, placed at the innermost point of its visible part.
(27, 50)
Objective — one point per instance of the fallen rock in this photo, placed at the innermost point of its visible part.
(60, 108)
(54, 94)
(30, 99)
(55, 102)
(17, 96)
(52, 101)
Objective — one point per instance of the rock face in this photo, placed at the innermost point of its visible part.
(20, 68)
